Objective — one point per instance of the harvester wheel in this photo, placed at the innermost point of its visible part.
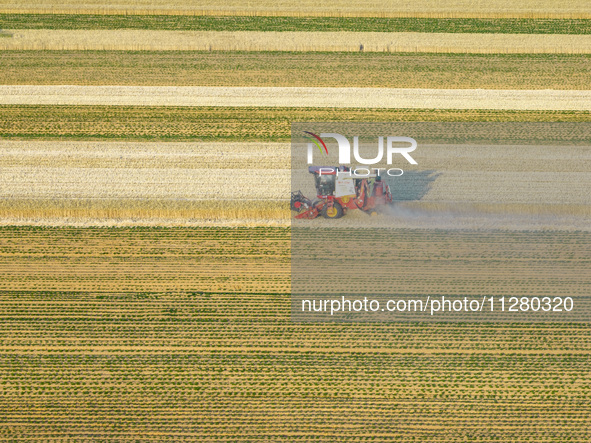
(335, 212)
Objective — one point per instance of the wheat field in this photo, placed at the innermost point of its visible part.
(153, 40)
(146, 241)
(183, 334)
(356, 69)
(184, 182)
(558, 100)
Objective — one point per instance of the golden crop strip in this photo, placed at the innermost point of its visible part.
(176, 123)
(126, 39)
(141, 212)
(373, 8)
(224, 68)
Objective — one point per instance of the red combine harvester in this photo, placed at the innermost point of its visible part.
(337, 193)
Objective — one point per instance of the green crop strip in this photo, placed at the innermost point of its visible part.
(240, 23)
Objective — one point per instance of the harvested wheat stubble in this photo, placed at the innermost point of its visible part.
(144, 181)
(489, 174)
(187, 182)
(565, 100)
(361, 69)
(141, 155)
(379, 8)
(126, 39)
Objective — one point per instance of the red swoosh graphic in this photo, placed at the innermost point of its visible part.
(319, 139)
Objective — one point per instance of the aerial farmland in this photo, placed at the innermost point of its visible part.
(146, 237)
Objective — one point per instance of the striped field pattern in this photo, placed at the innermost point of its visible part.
(145, 224)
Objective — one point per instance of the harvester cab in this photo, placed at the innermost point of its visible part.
(339, 190)
(325, 184)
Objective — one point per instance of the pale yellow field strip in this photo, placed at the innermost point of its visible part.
(148, 183)
(81, 183)
(490, 175)
(42, 39)
(378, 8)
(569, 100)
(114, 170)
(483, 174)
